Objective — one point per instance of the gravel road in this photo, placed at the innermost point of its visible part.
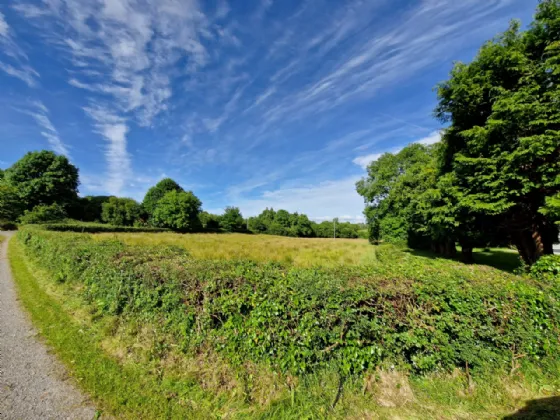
(33, 384)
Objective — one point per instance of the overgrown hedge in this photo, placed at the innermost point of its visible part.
(297, 320)
(98, 228)
(7, 225)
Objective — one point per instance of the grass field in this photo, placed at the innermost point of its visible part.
(152, 333)
(303, 252)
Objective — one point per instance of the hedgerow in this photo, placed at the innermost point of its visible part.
(98, 228)
(298, 320)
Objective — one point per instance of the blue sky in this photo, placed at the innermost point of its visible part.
(253, 103)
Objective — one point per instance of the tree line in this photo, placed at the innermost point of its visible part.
(42, 187)
(495, 176)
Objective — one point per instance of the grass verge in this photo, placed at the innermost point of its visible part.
(128, 391)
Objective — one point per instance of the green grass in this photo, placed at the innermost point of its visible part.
(302, 252)
(129, 391)
(134, 369)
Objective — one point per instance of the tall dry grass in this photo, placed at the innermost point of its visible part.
(302, 252)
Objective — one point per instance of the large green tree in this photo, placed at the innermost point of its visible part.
(503, 142)
(43, 178)
(11, 207)
(232, 220)
(178, 210)
(391, 189)
(157, 192)
(121, 211)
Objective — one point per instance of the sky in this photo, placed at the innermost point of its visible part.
(250, 103)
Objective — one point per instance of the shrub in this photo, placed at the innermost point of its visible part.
(209, 221)
(299, 320)
(11, 206)
(157, 192)
(99, 228)
(44, 214)
(547, 267)
(232, 220)
(7, 225)
(121, 211)
(178, 211)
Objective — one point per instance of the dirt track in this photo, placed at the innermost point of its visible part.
(33, 384)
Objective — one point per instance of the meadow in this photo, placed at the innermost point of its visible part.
(302, 252)
(162, 325)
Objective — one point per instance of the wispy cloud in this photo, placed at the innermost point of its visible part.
(24, 73)
(433, 138)
(114, 130)
(366, 160)
(40, 113)
(19, 67)
(3, 26)
(122, 54)
(323, 87)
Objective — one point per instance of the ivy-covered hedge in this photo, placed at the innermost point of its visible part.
(98, 228)
(297, 320)
(547, 267)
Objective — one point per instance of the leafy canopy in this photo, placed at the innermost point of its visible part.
(232, 219)
(503, 143)
(178, 210)
(44, 214)
(121, 211)
(43, 178)
(157, 192)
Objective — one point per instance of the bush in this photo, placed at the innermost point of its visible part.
(547, 267)
(157, 192)
(232, 220)
(178, 211)
(7, 225)
(43, 214)
(11, 206)
(121, 211)
(300, 320)
(99, 228)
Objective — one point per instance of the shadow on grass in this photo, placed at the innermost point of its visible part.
(542, 409)
(500, 258)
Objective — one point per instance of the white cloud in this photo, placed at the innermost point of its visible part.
(324, 201)
(365, 160)
(222, 10)
(114, 129)
(433, 138)
(416, 40)
(8, 47)
(24, 73)
(3, 26)
(41, 115)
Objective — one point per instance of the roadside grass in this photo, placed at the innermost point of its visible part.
(301, 252)
(133, 370)
(131, 390)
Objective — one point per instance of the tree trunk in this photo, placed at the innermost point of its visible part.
(451, 249)
(467, 254)
(534, 238)
(535, 242)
